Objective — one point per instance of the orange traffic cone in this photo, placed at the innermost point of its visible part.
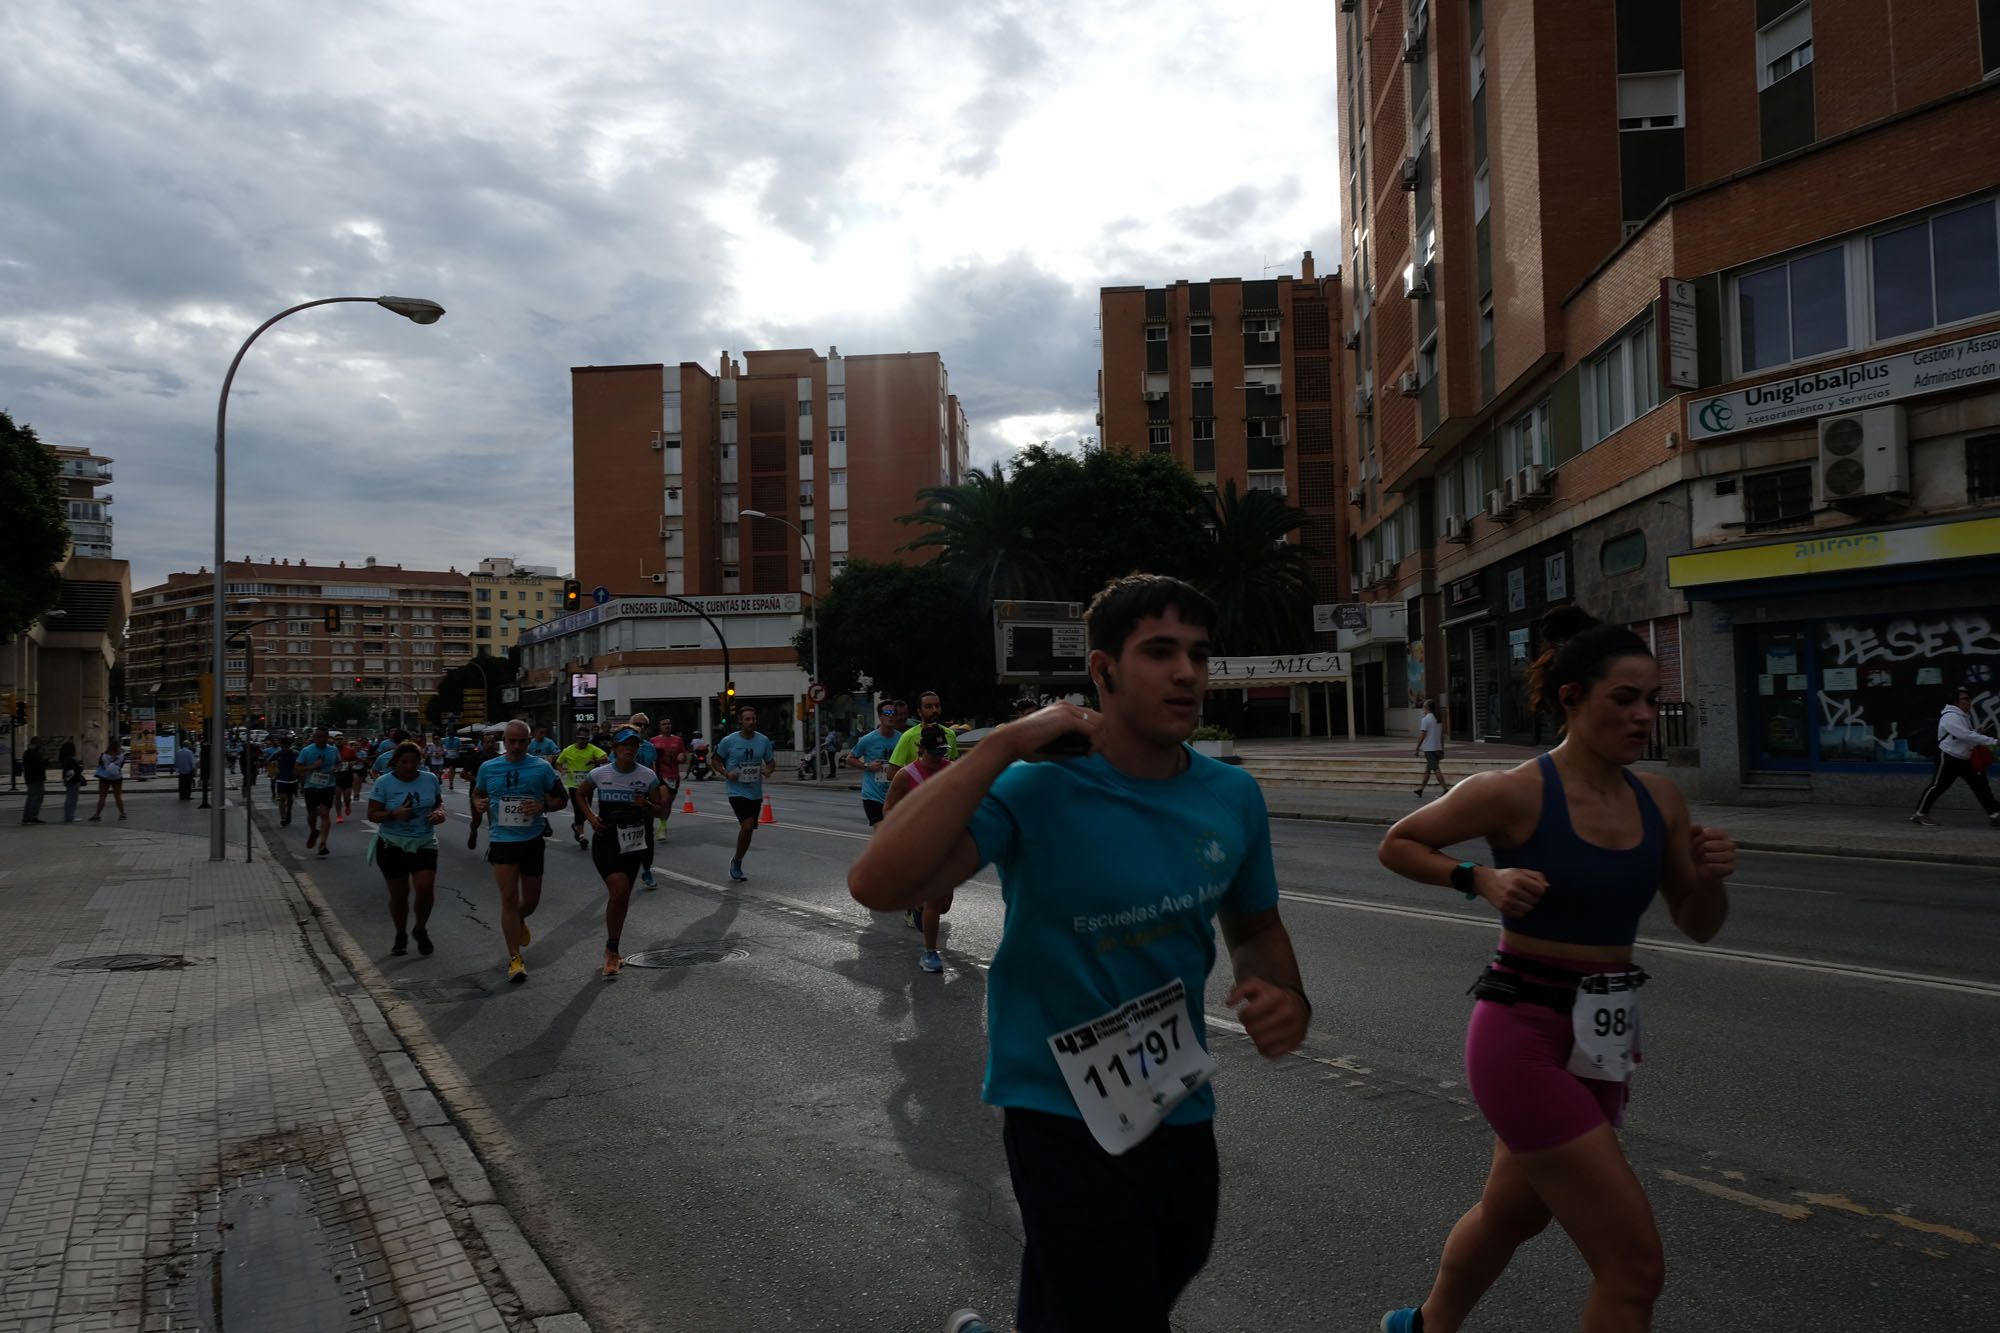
(687, 804)
(767, 817)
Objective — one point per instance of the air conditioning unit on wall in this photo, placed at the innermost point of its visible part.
(1498, 506)
(1864, 455)
(1364, 403)
(1407, 385)
(1456, 530)
(659, 578)
(1413, 173)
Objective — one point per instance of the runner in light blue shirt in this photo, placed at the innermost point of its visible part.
(746, 758)
(542, 747)
(872, 753)
(317, 765)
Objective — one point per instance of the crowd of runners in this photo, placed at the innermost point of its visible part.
(1119, 851)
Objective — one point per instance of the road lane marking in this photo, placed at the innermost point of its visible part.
(1791, 1212)
(1846, 1205)
(1856, 971)
(1784, 888)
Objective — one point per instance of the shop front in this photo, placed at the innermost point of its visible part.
(1490, 621)
(1823, 663)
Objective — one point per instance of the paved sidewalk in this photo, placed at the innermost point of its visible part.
(230, 1138)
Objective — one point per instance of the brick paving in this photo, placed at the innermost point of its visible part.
(174, 1139)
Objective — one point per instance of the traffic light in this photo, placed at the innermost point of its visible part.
(20, 712)
(357, 682)
(333, 620)
(729, 691)
(572, 595)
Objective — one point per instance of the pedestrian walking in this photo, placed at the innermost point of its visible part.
(1554, 1033)
(72, 779)
(110, 779)
(34, 772)
(184, 768)
(1430, 744)
(1115, 866)
(1962, 753)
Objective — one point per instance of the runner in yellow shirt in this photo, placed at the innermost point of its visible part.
(574, 763)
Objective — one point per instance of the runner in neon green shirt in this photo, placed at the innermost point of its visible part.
(574, 763)
(929, 709)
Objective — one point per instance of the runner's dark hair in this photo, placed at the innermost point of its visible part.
(1122, 603)
(410, 747)
(933, 737)
(1577, 647)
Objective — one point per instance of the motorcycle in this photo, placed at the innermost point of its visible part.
(698, 769)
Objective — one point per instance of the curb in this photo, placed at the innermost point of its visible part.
(1976, 859)
(447, 1119)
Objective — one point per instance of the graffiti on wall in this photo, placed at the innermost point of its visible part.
(1884, 679)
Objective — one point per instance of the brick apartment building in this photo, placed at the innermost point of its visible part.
(667, 458)
(1684, 310)
(400, 629)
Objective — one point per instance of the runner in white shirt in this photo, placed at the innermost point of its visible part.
(628, 797)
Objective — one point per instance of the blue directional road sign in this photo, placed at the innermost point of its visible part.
(600, 594)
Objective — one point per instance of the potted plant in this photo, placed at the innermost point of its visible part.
(1215, 742)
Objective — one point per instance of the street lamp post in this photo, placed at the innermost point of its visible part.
(415, 309)
(812, 622)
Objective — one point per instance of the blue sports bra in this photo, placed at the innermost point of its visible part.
(1595, 895)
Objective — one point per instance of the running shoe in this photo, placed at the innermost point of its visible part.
(646, 878)
(736, 871)
(423, 938)
(340, 819)
(913, 918)
(517, 971)
(930, 962)
(1401, 1321)
(322, 849)
(967, 1321)
(402, 944)
(1922, 819)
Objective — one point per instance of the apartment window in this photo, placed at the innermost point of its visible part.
(1938, 271)
(805, 529)
(1525, 439)
(805, 448)
(1622, 383)
(730, 572)
(1982, 467)
(837, 477)
(486, 613)
(1777, 499)
(1486, 327)
(729, 531)
(1792, 311)
(1989, 36)
(1482, 194)
(728, 450)
(836, 395)
(805, 407)
(1200, 328)
(1204, 429)
(1784, 47)
(484, 595)
(1427, 360)
(1156, 333)
(805, 490)
(836, 435)
(1159, 439)
(1478, 66)
(1267, 481)
(1650, 101)
(1428, 230)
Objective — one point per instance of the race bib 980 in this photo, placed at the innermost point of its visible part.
(1128, 1069)
(1605, 1024)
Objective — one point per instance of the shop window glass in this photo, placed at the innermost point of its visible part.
(1982, 467)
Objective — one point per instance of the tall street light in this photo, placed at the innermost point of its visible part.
(812, 623)
(412, 308)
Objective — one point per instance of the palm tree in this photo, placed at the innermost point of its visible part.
(1256, 574)
(983, 530)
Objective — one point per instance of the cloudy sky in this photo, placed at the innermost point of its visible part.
(594, 184)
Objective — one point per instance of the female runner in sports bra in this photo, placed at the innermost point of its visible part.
(933, 757)
(1580, 845)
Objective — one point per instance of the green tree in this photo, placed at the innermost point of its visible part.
(347, 709)
(492, 674)
(984, 531)
(35, 536)
(1256, 575)
(909, 628)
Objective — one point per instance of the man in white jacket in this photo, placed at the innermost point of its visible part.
(1955, 741)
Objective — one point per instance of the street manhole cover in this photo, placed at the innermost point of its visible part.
(685, 955)
(125, 962)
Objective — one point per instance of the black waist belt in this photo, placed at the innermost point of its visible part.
(1506, 987)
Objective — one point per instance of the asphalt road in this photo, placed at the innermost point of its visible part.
(790, 1136)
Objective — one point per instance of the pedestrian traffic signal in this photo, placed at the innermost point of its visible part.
(572, 595)
(20, 712)
(333, 620)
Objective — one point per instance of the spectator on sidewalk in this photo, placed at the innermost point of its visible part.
(1430, 744)
(34, 772)
(1956, 740)
(72, 779)
(110, 779)
(184, 768)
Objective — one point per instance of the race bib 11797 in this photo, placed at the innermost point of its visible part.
(1129, 1068)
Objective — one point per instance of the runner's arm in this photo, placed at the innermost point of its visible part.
(1270, 998)
(1698, 860)
(929, 848)
(582, 794)
(1486, 805)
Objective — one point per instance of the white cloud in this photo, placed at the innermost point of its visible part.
(957, 176)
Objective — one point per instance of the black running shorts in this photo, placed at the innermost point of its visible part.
(604, 854)
(395, 863)
(526, 854)
(318, 797)
(873, 809)
(745, 807)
